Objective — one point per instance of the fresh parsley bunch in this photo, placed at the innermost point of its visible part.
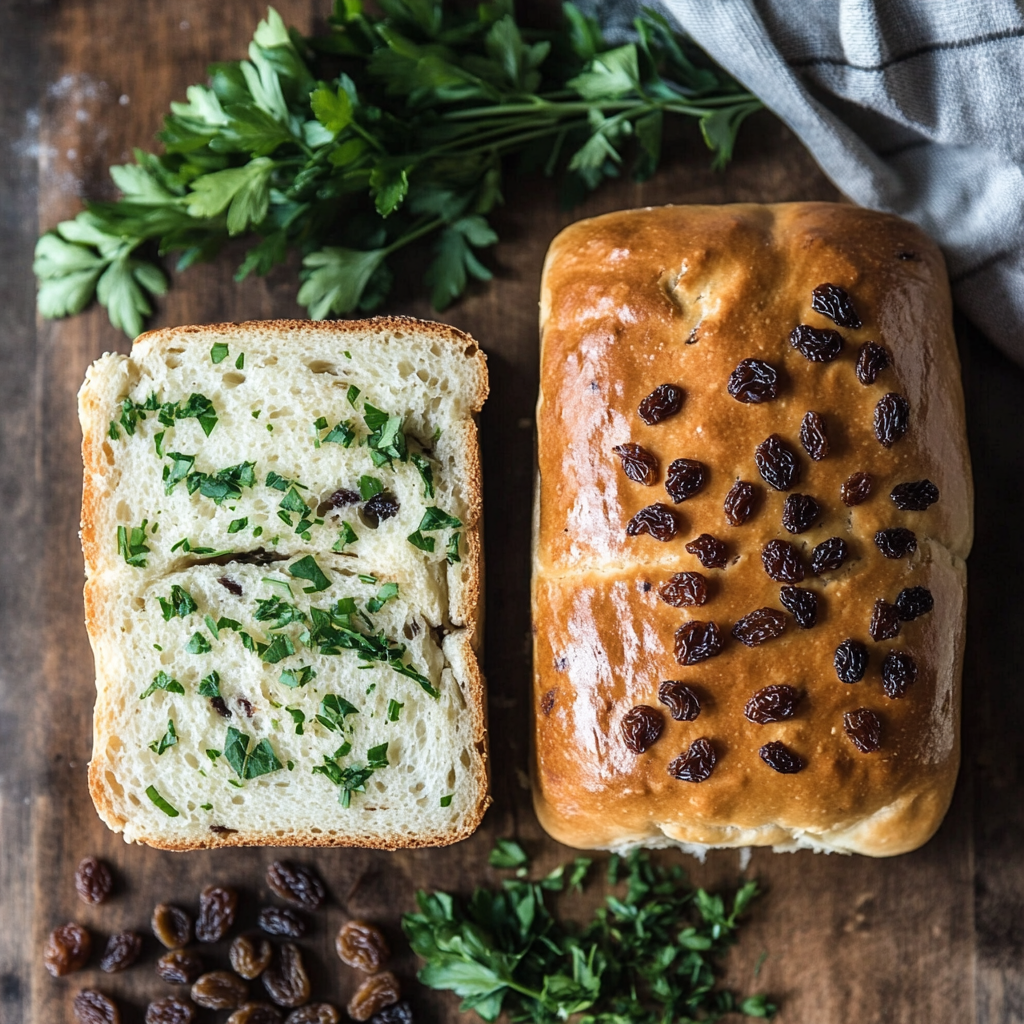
(647, 957)
(381, 132)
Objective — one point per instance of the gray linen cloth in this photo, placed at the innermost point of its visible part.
(911, 106)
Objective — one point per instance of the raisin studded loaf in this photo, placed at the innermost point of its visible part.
(281, 528)
(753, 511)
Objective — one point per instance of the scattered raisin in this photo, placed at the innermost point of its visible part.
(776, 462)
(829, 555)
(754, 381)
(696, 642)
(658, 520)
(685, 477)
(250, 956)
(864, 729)
(915, 496)
(872, 359)
(93, 881)
(739, 502)
(856, 489)
(682, 703)
(913, 602)
(216, 913)
(67, 949)
(664, 401)
(638, 463)
(885, 621)
(834, 302)
(782, 562)
(802, 604)
(641, 727)
(172, 926)
(771, 704)
(373, 995)
(813, 436)
(122, 951)
(220, 990)
(381, 506)
(296, 883)
(819, 345)
(362, 946)
(282, 921)
(851, 661)
(896, 542)
(286, 980)
(170, 1011)
(179, 967)
(759, 626)
(247, 710)
(709, 550)
(899, 670)
(232, 586)
(218, 705)
(695, 764)
(547, 702)
(256, 1013)
(398, 1013)
(343, 496)
(778, 756)
(892, 418)
(799, 513)
(92, 1007)
(314, 1013)
(684, 590)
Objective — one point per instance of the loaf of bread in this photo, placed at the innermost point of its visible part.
(281, 529)
(753, 512)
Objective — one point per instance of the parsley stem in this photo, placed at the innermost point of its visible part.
(411, 236)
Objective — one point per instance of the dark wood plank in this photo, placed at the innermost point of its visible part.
(849, 939)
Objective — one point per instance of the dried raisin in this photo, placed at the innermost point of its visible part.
(282, 921)
(219, 990)
(777, 464)
(398, 1013)
(834, 302)
(658, 520)
(851, 661)
(799, 513)
(256, 1013)
(819, 345)
(914, 496)
(286, 980)
(638, 463)
(250, 956)
(92, 1007)
(782, 562)
(684, 590)
(664, 401)
(682, 703)
(547, 702)
(813, 436)
(172, 926)
(829, 555)
(296, 883)
(771, 704)
(170, 1011)
(754, 381)
(856, 489)
(739, 502)
(695, 764)
(641, 727)
(362, 945)
(759, 626)
(896, 542)
(802, 604)
(383, 505)
(864, 729)
(232, 586)
(778, 756)
(885, 621)
(913, 602)
(373, 995)
(218, 705)
(685, 477)
(67, 949)
(696, 642)
(216, 913)
(179, 967)
(892, 418)
(93, 881)
(342, 497)
(122, 951)
(872, 359)
(899, 671)
(710, 551)
(315, 1013)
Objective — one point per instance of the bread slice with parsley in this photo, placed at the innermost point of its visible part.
(281, 528)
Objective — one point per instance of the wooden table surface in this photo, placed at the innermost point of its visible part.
(935, 937)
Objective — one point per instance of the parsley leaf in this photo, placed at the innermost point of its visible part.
(246, 763)
(417, 540)
(169, 739)
(154, 794)
(385, 594)
(198, 644)
(132, 546)
(425, 471)
(209, 686)
(346, 535)
(162, 681)
(296, 677)
(219, 352)
(332, 711)
(179, 604)
(369, 486)
(437, 519)
(307, 569)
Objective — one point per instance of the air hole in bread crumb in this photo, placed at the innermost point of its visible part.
(278, 413)
(451, 777)
(132, 798)
(238, 799)
(123, 511)
(423, 375)
(405, 368)
(464, 758)
(173, 362)
(139, 603)
(191, 760)
(269, 361)
(418, 788)
(316, 831)
(108, 453)
(233, 379)
(322, 366)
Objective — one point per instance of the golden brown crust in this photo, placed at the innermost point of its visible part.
(681, 295)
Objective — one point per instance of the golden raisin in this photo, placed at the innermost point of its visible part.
(362, 946)
(172, 926)
(216, 913)
(67, 949)
(93, 880)
(250, 956)
(92, 1007)
(220, 990)
(286, 980)
(373, 995)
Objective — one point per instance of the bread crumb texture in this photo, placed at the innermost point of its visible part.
(281, 527)
(760, 319)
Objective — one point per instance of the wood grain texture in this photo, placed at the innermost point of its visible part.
(936, 936)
